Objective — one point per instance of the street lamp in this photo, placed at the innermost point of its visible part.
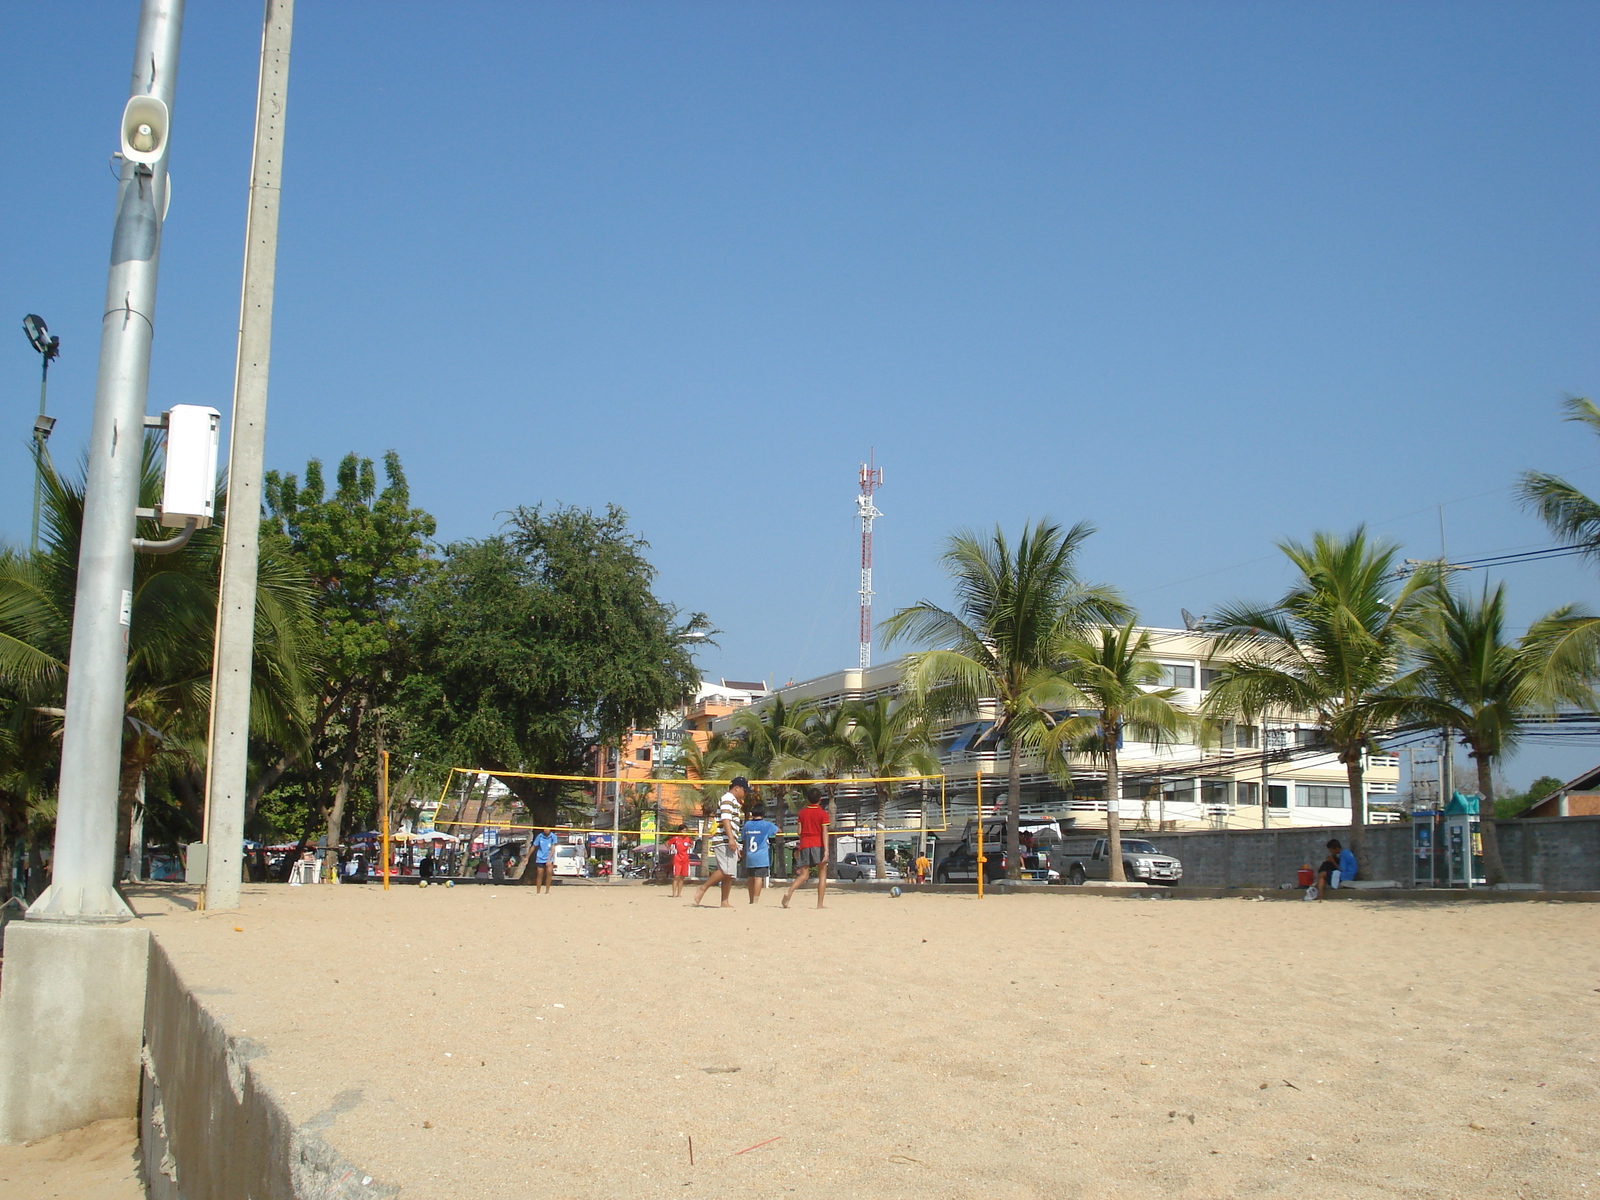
(49, 348)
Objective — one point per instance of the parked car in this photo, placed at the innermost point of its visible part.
(569, 861)
(863, 866)
(1081, 861)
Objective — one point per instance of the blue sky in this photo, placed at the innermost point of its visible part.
(1205, 275)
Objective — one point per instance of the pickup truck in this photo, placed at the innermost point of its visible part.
(1078, 862)
(961, 865)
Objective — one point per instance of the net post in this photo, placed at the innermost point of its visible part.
(383, 800)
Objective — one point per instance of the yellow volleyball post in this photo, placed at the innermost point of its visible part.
(383, 803)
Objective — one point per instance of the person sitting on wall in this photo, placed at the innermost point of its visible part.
(1332, 871)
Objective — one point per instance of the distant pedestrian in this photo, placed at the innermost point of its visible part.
(725, 845)
(757, 836)
(812, 849)
(680, 845)
(923, 866)
(544, 854)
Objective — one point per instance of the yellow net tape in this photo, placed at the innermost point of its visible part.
(645, 786)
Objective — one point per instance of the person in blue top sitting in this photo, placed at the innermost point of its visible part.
(1338, 868)
(756, 836)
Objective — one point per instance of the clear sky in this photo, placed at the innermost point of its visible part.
(1204, 275)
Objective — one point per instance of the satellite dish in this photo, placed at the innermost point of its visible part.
(1190, 621)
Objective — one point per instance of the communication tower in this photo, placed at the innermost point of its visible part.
(871, 479)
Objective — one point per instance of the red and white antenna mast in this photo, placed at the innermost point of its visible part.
(871, 478)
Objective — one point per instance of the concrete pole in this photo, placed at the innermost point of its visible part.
(91, 747)
(227, 757)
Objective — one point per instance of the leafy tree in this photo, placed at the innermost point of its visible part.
(531, 647)
(1517, 803)
(1332, 644)
(363, 549)
(888, 739)
(1014, 606)
(1115, 672)
(1466, 676)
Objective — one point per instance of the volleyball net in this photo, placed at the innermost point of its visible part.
(473, 801)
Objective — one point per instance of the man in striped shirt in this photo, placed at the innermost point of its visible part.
(725, 844)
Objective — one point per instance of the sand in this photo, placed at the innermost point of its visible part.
(96, 1162)
(486, 1041)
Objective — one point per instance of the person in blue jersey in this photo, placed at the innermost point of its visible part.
(544, 860)
(756, 840)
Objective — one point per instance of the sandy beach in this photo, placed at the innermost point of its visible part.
(487, 1041)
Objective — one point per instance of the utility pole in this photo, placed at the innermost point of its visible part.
(227, 743)
(91, 745)
(871, 479)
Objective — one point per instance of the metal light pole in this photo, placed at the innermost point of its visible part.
(91, 746)
(228, 743)
(49, 348)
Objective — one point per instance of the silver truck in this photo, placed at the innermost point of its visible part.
(1082, 859)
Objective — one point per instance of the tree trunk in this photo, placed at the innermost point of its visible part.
(1358, 807)
(1114, 816)
(1494, 867)
(1013, 808)
(7, 849)
(129, 776)
(330, 865)
(883, 811)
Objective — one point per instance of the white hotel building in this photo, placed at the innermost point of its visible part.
(1177, 786)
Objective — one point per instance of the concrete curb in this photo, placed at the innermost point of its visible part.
(209, 1127)
(1415, 895)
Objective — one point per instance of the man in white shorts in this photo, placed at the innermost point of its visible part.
(725, 844)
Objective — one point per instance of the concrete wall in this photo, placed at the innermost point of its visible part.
(209, 1130)
(1559, 854)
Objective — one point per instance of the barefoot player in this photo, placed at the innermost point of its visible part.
(725, 845)
(812, 850)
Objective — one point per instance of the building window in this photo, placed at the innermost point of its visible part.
(1316, 795)
(1247, 793)
(1246, 737)
(1208, 677)
(1214, 791)
(1277, 795)
(1176, 677)
(1179, 791)
(643, 754)
(1309, 737)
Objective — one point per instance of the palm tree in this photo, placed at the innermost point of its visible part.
(1326, 649)
(1114, 671)
(890, 740)
(1570, 514)
(770, 742)
(170, 637)
(1466, 676)
(1013, 608)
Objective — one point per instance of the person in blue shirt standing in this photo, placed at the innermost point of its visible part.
(544, 850)
(756, 838)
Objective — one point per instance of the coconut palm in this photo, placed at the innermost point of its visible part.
(1466, 676)
(1013, 608)
(1326, 649)
(1571, 515)
(889, 740)
(170, 636)
(1115, 672)
(770, 742)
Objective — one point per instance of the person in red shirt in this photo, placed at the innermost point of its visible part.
(812, 850)
(680, 859)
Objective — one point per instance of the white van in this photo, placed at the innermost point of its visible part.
(569, 860)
